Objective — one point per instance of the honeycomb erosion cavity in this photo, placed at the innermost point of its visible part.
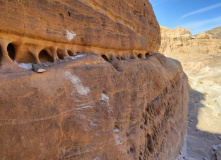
(118, 101)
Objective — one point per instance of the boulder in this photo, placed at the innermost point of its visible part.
(38, 68)
(110, 96)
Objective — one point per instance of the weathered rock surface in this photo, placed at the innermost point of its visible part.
(176, 33)
(45, 30)
(203, 35)
(88, 108)
(181, 41)
(172, 39)
(108, 97)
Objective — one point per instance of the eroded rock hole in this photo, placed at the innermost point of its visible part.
(69, 14)
(123, 57)
(70, 53)
(105, 57)
(11, 51)
(132, 150)
(145, 121)
(61, 16)
(147, 55)
(60, 54)
(118, 57)
(148, 108)
(45, 57)
(149, 143)
(140, 55)
(116, 127)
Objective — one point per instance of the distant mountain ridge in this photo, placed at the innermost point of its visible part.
(215, 32)
(180, 40)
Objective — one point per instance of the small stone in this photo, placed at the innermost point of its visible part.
(38, 68)
(219, 137)
(191, 120)
(204, 158)
(215, 147)
(45, 65)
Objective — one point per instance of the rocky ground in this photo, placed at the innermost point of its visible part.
(204, 114)
(201, 60)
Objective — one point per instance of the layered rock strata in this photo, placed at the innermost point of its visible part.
(39, 31)
(89, 108)
(114, 99)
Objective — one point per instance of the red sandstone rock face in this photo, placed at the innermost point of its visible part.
(114, 28)
(88, 108)
(105, 104)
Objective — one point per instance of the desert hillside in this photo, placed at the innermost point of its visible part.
(180, 40)
(215, 32)
(200, 57)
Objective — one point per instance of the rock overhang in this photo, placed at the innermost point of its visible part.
(129, 30)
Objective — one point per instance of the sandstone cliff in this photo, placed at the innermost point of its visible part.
(45, 29)
(108, 97)
(172, 39)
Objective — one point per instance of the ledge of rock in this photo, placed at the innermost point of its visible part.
(47, 30)
(88, 108)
